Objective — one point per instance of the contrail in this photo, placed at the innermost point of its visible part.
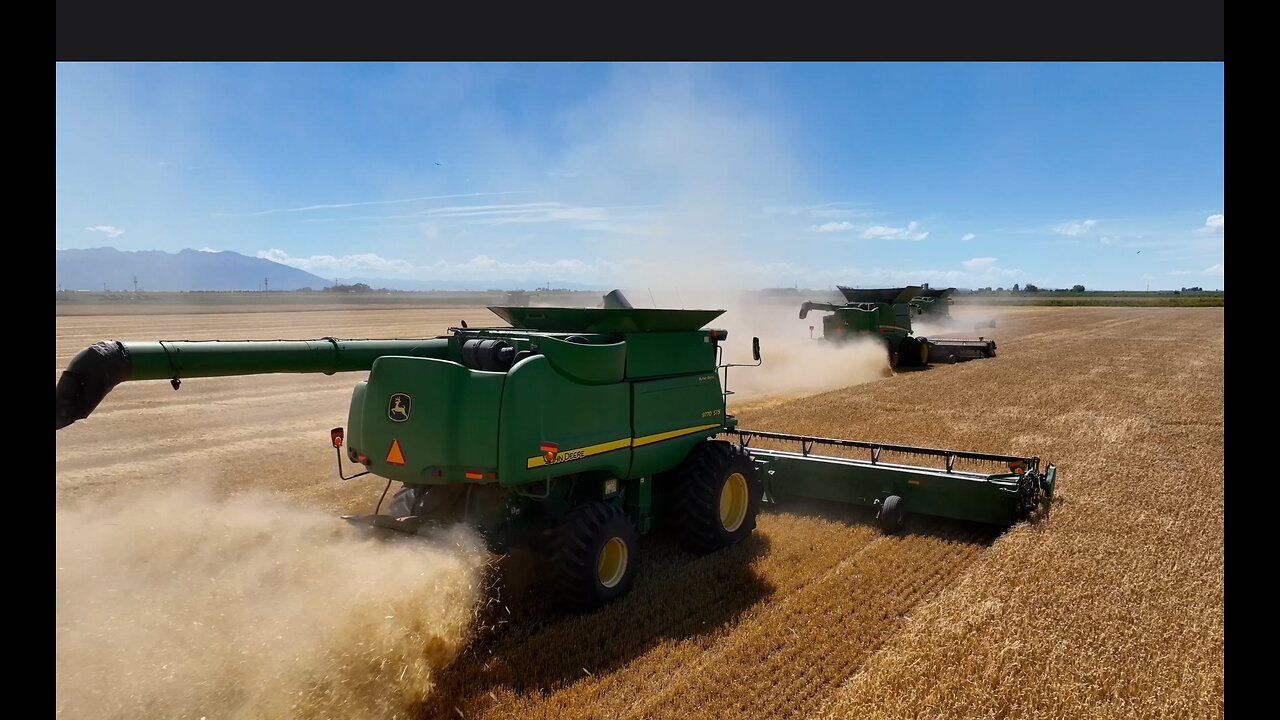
(331, 206)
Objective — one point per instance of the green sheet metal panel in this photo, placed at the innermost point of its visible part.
(671, 416)
(588, 425)
(440, 415)
(587, 363)
(665, 354)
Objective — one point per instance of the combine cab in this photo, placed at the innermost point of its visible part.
(886, 314)
(567, 433)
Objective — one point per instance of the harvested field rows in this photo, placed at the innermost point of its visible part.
(1113, 606)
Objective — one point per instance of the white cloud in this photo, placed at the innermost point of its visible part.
(1213, 269)
(347, 265)
(981, 263)
(1214, 224)
(843, 208)
(333, 206)
(832, 227)
(108, 230)
(775, 274)
(1104, 240)
(208, 249)
(1075, 227)
(370, 265)
(885, 232)
(967, 237)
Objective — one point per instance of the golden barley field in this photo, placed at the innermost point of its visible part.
(1111, 606)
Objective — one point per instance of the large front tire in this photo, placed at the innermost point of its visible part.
(593, 555)
(717, 496)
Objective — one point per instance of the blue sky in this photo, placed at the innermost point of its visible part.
(743, 175)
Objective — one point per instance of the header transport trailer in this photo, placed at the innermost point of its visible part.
(569, 433)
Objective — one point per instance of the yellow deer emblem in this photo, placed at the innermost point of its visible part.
(399, 406)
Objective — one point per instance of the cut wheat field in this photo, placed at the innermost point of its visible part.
(1110, 606)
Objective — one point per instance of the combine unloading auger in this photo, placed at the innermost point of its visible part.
(569, 432)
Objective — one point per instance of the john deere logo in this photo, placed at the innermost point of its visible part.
(549, 451)
(399, 406)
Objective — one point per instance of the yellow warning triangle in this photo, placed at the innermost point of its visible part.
(394, 455)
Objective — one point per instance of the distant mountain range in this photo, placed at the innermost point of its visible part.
(158, 271)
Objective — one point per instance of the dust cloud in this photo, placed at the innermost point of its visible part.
(797, 361)
(181, 605)
(794, 363)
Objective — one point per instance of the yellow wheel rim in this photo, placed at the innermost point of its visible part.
(893, 358)
(612, 563)
(924, 353)
(734, 499)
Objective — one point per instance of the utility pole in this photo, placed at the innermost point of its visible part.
(266, 287)
(135, 284)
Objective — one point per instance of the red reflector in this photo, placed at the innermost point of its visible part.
(436, 473)
(362, 459)
(492, 476)
(474, 475)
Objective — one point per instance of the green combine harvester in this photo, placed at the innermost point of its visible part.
(570, 433)
(885, 313)
(933, 305)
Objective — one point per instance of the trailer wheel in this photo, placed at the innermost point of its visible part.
(593, 555)
(891, 514)
(717, 496)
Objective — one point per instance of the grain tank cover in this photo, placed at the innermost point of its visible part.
(605, 320)
(884, 295)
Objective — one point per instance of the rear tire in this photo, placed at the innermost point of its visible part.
(924, 351)
(593, 555)
(893, 355)
(891, 514)
(717, 496)
(908, 350)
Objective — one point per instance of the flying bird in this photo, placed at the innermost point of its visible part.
(435, 161)
(1138, 253)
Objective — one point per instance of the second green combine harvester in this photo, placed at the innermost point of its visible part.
(571, 432)
(886, 314)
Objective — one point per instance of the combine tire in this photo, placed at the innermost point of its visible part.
(594, 551)
(891, 514)
(893, 355)
(924, 351)
(717, 496)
